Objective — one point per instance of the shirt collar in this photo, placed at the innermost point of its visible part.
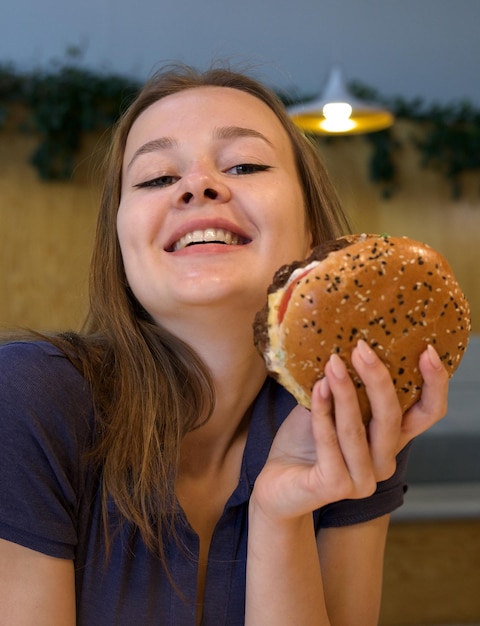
(270, 408)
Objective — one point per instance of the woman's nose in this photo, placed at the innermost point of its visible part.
(201, 188)
(208, 192)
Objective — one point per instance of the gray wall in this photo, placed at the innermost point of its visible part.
(427, 48)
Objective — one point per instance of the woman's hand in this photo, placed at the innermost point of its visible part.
(327, 454)
(322, 456)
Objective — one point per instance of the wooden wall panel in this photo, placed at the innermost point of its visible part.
(46, 234)
(432, 573)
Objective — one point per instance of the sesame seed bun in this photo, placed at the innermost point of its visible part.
(397, 294)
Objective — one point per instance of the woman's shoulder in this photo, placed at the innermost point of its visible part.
(33, 357)
(21, 348)
(46, 421)
(38, 379)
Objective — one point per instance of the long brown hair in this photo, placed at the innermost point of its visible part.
(149, 387)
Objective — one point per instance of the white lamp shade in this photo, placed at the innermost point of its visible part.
(338, 112)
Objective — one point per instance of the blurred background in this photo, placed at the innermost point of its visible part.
(63, 64)
(425, 48)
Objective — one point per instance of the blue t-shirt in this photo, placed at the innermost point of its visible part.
(50, 501)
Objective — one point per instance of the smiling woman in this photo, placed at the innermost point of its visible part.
(218, 159)
(170, 480)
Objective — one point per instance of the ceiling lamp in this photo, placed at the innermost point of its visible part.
(338, 112)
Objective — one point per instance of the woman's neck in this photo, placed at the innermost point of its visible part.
(238, 373)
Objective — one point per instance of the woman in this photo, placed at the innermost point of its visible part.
(136, 455)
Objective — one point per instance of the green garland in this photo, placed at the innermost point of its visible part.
(62, 104)
(66, 101)
(447, 138)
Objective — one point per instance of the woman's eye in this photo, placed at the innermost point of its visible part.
(159, 181)
(247, 168)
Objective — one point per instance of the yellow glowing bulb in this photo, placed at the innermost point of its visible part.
(337, 117)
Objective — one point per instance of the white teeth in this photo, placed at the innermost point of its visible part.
(209, 234)
(197, 236)
(188, 238)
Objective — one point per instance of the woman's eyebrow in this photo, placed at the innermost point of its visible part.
(232, 132)
(155, 145)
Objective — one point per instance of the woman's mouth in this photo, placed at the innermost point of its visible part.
(209, 235)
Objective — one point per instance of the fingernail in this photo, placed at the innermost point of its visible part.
(338, 367)
(435, 360)
(324, 388)
(366, 353)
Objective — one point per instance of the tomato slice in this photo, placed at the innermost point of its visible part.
(282, 309)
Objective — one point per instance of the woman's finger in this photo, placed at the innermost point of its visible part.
(433, 402)
(349, 428)
(330, 461)
(385, 425)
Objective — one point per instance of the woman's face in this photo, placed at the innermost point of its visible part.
(211, 204)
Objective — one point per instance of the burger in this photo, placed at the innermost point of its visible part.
(395, 293)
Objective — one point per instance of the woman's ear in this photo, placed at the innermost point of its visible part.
(309, 246)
